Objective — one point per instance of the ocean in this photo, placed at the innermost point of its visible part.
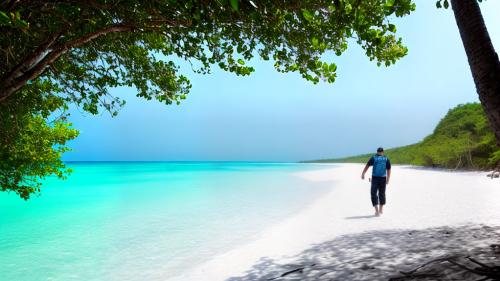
(151, 221)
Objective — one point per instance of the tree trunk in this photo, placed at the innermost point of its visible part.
(483, 60)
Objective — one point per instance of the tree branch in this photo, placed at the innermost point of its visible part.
(31, 59)
(17, 81)
(33, 66)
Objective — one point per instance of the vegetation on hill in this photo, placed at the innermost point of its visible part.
(461, 140)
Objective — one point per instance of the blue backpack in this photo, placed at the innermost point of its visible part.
(379, 166)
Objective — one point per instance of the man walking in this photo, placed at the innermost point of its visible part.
(381, 173)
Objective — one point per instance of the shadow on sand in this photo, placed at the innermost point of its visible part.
(380, 255)
(360, 217)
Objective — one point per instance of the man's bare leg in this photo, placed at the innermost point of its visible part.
(381, 209)
(377, 212)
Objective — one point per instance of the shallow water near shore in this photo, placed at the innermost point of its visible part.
(145, 220)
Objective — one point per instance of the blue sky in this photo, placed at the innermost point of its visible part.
(270, 116)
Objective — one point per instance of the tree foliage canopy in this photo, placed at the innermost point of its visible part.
(57, 53)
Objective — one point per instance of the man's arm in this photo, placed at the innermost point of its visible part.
(370, 162)
(388, 176)
(364, 171)
(388, 167)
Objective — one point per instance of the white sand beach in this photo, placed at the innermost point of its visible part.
(429, 213)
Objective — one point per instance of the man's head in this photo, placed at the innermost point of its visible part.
(380, 151)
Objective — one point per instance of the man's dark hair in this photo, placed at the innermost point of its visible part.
(380, 149)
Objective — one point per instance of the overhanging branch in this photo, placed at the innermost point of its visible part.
(26, 70)
(34, 65)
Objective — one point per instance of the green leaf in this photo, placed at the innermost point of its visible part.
(4, 17)
(389, 3)
(240, 61)
(315, 41)
(22, 24)
(234, 4)
(348, 8)
(446, 4)
(307, 15)
(438, 4)
(392, 27)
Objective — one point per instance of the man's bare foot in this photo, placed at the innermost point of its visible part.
(377, 214)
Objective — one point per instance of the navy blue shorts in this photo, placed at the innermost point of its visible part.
(378, 190)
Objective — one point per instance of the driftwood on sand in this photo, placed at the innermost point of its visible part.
(427, 270)
(494, 174)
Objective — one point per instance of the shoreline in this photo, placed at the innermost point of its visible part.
(188, 274)
(439, 169)
(417, 199)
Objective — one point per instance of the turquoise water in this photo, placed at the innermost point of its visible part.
(144, 220)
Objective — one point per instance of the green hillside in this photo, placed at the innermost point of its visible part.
(461, 140)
